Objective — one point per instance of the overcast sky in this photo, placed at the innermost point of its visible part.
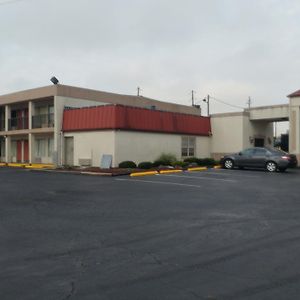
(229, 49)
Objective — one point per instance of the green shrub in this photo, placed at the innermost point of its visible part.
(145, 165)
(208, 161)
(166, 159)
(201, 161)
(158, 163)
(127, 164)
(181, 164)
(191, 160)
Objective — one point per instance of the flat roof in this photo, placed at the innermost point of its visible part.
(93, 95)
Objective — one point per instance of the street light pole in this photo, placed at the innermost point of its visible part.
(206, 100)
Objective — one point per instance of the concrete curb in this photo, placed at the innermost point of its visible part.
(15, 165)
(197, 169)
(170, 171)
(27, 166)
(70, 172)
(217, 167)
(143, 173)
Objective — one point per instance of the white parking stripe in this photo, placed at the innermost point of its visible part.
(230, 173)
(160, 182)
(200, 177)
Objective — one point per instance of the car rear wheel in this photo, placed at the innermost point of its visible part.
(271, 166)
(228, 164)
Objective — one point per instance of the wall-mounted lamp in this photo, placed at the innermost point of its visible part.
(251, 139)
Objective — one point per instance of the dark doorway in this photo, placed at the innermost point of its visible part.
(258, 142)
(284, 142)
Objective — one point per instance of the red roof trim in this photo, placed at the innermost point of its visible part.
(295, 94)
(119, 117)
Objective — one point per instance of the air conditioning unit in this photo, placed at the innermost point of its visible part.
(85, 162)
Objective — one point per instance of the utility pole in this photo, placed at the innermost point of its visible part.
(208, 105)
(138, 91)
(193, 100)
(249, 102)
(206, 100)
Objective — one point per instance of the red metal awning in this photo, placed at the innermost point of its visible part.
(133, 118)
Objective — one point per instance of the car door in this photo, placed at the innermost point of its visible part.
(259, 157)
(244, 159)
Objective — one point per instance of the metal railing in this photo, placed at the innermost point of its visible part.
(18, 123)
(43, 121)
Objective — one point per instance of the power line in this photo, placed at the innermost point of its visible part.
(226, 103)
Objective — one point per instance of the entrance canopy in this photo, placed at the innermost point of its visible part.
(273, 113)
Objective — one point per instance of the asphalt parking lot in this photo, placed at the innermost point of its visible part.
(216, 234)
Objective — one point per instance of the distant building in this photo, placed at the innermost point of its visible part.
(67, 125)
(36, 126)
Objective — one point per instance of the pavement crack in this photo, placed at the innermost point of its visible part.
(72, 291)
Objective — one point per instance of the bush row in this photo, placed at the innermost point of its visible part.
(169, 160)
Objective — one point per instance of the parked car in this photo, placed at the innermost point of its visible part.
(258, 157)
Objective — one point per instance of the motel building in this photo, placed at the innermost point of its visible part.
(64, 125)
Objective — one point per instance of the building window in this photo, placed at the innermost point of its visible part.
(188, 146)
(50, 147)
(44, 147)
(40, 147)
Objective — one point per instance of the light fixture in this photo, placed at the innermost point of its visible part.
(54, 80)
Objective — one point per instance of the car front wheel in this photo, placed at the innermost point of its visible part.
(271, 166)
(228, 164)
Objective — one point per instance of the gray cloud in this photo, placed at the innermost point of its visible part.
(230, 49)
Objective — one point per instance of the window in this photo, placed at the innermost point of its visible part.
(40, 147)
(249, 151)
(44, 147)
(260, 152)
(50, 147)
(188, 146)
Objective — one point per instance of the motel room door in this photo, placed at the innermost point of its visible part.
(69, 151)
(25, 151)
(22, 151)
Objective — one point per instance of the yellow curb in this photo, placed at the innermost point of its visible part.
(217, 167)
(42, 165)
(36, 167)
(143, 173)
(15, 165)
(169, 171)
(197, 169)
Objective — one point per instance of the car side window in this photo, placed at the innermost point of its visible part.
(248, 151)
(260, 152)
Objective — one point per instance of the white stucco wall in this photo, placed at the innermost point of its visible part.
(92, 145)
(144, 146)
(130, 145)
(59, 104)
(234, 132)
(227, 133)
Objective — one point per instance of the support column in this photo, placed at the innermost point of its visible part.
(30, 113)
(7, 117)
(7, 148)
(31, 147)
